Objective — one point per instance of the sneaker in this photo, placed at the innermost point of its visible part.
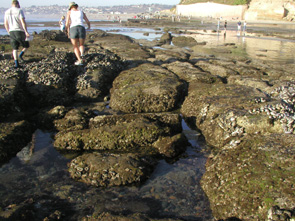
(78, 63)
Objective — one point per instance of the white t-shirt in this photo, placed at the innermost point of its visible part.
(76, 18)
(14, 16)
(62, 22)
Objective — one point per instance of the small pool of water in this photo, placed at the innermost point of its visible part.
(37, 179)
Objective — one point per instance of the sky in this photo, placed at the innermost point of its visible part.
(28, 3)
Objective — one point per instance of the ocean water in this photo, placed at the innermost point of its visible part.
(136, 33)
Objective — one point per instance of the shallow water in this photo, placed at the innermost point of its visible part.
(39, 179)
(257, 47)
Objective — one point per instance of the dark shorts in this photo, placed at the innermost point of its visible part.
(18, 38)
(77, 32)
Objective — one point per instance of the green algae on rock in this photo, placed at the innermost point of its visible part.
(123, 133)
(245, 181)
(111, 169)
(146, 88)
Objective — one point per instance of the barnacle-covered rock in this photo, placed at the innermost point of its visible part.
(188, 72)
(246, 181)
(184, 41)
(54, 35)
(170, 55)
(221, 112)
(13, 95)
(49, 81)
(131, 217)
(279, 107)
(216, 69)
(46, 118)
(111, 169)
(166, 38)
(73, 120)
(120, 137)
(171, 146)
(170, 122)
(124, 46)
(96, 81)
(147, 133)
(147, 88)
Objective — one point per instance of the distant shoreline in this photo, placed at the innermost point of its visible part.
(56, 17)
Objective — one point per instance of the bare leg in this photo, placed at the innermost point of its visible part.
(15, 58)
(81, 47)
(14, 54)
(76, 48)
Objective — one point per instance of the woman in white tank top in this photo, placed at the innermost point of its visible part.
(76, 30)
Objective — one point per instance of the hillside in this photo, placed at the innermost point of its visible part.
(256, 9)
(226, 2)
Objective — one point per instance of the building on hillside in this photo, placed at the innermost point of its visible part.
(212, 10)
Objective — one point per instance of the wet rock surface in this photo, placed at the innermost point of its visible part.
(111, 169)
(148, 134)
(183, 41)
(14, 136)
(147, 88)
(119, 108)
(259, 169)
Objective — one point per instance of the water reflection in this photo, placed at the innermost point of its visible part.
(264, 48)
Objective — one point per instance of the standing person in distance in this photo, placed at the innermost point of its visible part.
(15, 25)
(225, 25)
(239, 25)
(245, 25)
(76, 30)
(62, 23)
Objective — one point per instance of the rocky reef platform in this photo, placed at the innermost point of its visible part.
(121, 113)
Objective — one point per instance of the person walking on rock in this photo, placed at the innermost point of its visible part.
(15, 25)
(76, 30)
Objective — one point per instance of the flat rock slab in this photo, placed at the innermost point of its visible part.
(146, 133)
(111, 169)
(189, 72)
(146, 88)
